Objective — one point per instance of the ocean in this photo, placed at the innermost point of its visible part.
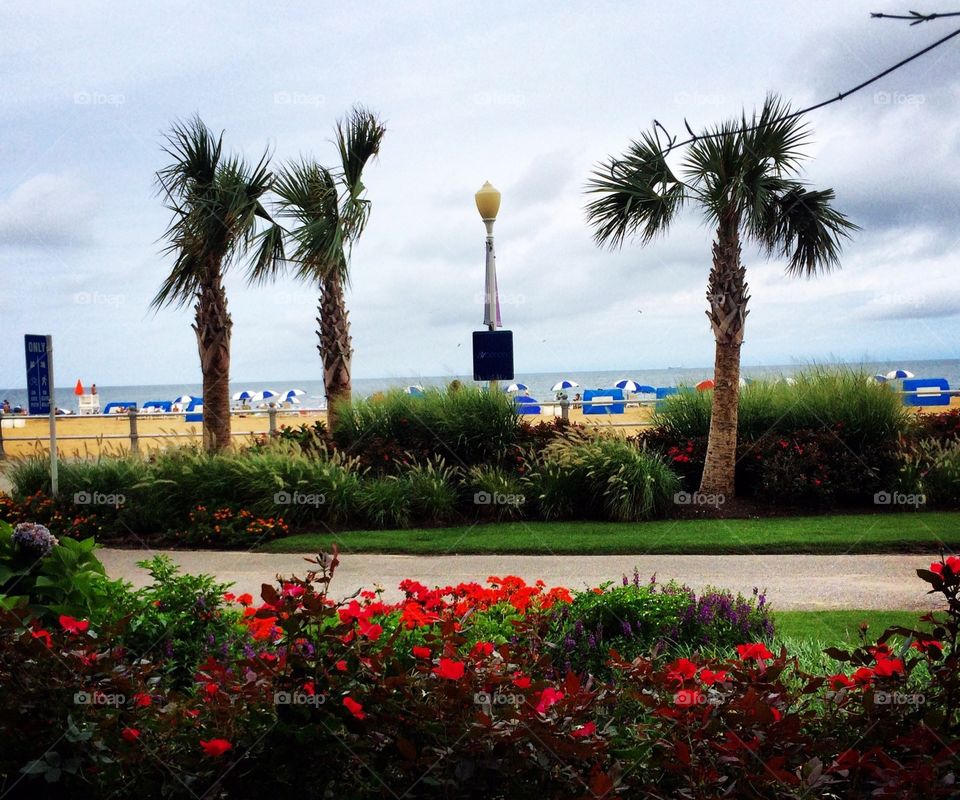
(538, 383)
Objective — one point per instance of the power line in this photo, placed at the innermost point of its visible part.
(917, 18)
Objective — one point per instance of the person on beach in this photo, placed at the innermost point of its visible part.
(6, 407)
(93, 389)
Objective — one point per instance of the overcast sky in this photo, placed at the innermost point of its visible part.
(526, 95)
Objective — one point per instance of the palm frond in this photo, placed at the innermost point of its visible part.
(639, 194)
(777, 135)
(358, 140)
(803, 226)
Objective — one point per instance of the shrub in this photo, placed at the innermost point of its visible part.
(931, 468)
(610, 478)
(495, 493)
(433, 490)
(60, 577)
(466, 427)
(386, 502)
(645, 619)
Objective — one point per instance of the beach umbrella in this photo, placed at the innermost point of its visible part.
(704, 385)
(415, 390)
(183, 400)
(266, 396)
(559, 386)
(517, 387)
(78, 390)
(291, 395)
(898, 374)
(628, 386)
(246, 394)
(879, 378)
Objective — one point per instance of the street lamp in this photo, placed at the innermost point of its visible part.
(488, 204)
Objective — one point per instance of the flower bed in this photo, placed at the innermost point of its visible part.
(184, 689)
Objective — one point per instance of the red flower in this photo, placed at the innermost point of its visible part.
(71, 625)
(838, 682)
(482, 650)
(709, 677)
(521, 681)
(449, 669)
(688, 697)
(422, 652)
(548, 697)
(370, 630)
(931, 646)
(755, 650)
(293, 590)
(44, 636)
(952, 562)
(341, 665)
(863, 676)
(888, 667)
(141, 700)
(683, 669)
(211, 689)
(215, 747)
(130, 734)
(588, 729)
(245, 599)
(354, 707)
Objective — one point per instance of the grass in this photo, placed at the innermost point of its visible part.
(839, 627)
(838, 534)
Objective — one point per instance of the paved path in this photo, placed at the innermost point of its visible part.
(792, 582)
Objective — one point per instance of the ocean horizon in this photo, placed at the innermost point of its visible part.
(538, 383)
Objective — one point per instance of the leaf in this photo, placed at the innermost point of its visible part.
(930, 577)
(269, 594)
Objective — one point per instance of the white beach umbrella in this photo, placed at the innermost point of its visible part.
(266, 396)
(628, 385)
(560, 386)
(898, 374)
(517, 387)
(291, 395)
(246, 394)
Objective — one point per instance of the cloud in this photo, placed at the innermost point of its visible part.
(47, 210)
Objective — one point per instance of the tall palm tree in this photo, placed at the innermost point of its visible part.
(215, 202)
(329, 211)
(742, 175)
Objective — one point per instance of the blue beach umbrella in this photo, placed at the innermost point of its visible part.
(517, 387)
(246, 394)
(266, 396)
(628, 385)
(560, 386)
(416, 390)
(293, 395)
(898, 374)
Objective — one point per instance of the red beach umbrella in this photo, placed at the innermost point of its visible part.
(704, 385)
(78, 390)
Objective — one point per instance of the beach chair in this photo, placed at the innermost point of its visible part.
(526, 405)
(89, 404)
(605, 401)
(154, 406)
(119, 407)
(930, 392)
(663, 392)
(194, 410)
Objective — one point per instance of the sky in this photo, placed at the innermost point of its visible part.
(530, 96)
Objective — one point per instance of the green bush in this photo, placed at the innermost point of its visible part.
(467, 426)
(860, 411)
(386, 502)
(932, 469)
(495, 493)
(433, 490)
(606, 476)
(63, 578)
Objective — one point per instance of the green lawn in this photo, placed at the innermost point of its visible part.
(839, 627)
(845, 533)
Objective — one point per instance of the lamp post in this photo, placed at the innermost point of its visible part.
(488, 204)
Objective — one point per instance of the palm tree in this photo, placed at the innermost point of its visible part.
(215, 202)
(743, 177)
(329, 211)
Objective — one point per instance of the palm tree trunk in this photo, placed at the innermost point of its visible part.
(727, 293)
(213, 328)
(336, 350)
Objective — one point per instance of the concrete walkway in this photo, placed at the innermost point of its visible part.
(792, 582)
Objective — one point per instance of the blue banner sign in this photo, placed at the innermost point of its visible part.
(39, 390)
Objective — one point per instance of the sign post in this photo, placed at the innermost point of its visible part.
(39, 352)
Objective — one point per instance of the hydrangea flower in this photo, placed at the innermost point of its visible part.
(35, 538)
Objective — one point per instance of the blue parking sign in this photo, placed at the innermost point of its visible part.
(39, 389)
